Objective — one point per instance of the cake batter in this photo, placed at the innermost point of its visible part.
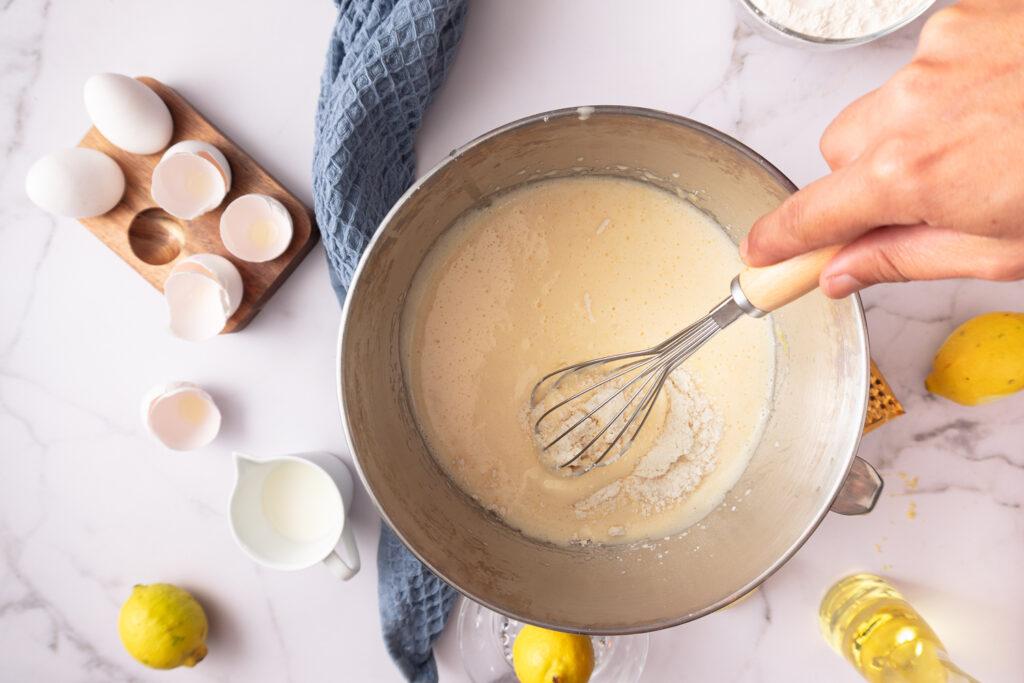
(565, 270)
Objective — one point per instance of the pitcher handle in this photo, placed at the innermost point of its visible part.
(860, 491)
(344, 568)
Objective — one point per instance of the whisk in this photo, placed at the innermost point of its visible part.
(626, 385)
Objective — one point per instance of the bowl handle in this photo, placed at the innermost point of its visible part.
(860, 491)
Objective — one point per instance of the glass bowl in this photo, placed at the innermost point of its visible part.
(486, 638)
(769, 28)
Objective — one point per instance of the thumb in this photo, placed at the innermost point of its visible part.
(899, 253)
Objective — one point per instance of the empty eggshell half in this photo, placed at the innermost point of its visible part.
(128, 113)
(256, 228)
(202, 293)
(78, 182)
(192, 178)
(181, 415)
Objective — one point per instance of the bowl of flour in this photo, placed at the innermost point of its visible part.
(832, 23)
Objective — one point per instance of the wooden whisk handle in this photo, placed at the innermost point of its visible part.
(775, 286)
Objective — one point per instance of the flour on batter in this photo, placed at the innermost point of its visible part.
(682, 454)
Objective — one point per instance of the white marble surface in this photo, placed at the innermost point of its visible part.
(89, 505)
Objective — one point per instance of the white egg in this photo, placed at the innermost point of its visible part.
(78, 183)
(202, 293)
(181, 415)
(256, 228)
(192, 178)
(128, 113)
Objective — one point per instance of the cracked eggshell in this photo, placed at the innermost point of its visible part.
(196, 304)
(192, 178)
(77, 182)
(256, 228)
(128, 113)
(223, 270)
(181, 415)
(202, 293)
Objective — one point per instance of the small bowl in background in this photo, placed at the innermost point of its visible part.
(773, 30)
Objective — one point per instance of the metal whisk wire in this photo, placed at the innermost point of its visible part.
(655, 364)
(770, 287)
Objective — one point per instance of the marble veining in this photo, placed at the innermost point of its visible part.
(90, 505)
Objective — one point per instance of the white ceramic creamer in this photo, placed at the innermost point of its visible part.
(291, 511)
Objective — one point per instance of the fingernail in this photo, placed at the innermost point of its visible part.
(843, 285)
(743, 250)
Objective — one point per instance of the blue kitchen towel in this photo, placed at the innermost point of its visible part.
(385, 62)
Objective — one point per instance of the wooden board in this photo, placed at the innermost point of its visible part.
(152, 242)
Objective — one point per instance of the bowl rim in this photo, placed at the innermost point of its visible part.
(582, 112)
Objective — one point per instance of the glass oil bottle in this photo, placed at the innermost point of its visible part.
(870, 624)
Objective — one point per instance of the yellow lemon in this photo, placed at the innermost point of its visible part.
(982, 361)
(543, 656)
(163, 626)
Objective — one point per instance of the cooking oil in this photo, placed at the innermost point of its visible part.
(869, 623)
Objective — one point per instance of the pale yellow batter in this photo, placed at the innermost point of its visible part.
(557, 272)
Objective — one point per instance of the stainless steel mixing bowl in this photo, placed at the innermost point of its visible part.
(795, 475)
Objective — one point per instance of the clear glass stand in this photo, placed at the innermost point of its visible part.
(486, 637)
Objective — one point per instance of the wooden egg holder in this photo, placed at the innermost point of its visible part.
(152, 241)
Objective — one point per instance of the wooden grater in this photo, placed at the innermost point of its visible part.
(882, 403)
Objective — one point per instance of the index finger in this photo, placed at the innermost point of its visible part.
(835, 209)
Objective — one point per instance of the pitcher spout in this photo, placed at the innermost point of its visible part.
(243, 464)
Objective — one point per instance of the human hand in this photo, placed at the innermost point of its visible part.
(927, 176)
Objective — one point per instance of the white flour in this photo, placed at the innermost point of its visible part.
(837, 18)
(678, 460)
